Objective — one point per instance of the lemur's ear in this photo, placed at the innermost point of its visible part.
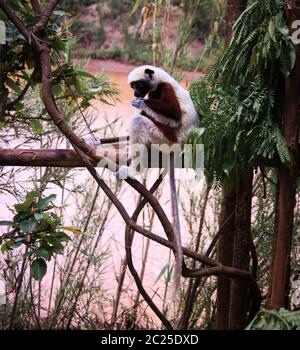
(149, 72)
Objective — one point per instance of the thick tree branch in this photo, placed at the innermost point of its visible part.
(129, 235)
(45, 16)
(66, 158)
(112, 148)
(142, 202)
(36, 7)
(139, 284)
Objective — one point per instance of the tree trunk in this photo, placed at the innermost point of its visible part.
(287, 183)
(225, 257)
(234, 9)
(241, 252)
(225, 250)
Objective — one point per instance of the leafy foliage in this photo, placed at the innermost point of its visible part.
(20, 69)
(240, 100)
(276, 320)
(38, 228)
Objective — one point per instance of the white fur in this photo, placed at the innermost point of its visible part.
(91, 140)
(142, 130)
(125, 172)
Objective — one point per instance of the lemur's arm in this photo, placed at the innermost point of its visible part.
(166, 104)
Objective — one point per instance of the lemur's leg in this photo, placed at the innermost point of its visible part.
(143, 133)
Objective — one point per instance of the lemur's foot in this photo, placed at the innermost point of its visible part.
(125, 172)
(91, 140)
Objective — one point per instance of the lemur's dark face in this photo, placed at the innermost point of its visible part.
(142, 87)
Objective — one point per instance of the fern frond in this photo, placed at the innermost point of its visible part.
(240, 99)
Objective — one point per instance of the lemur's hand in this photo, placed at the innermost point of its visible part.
(138, 103)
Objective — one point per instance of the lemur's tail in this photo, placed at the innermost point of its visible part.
(176, 223)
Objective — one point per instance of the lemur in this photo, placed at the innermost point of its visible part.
(165, 114)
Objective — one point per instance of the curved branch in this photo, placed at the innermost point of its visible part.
(232, 273)
(79, 144)
(218, 235)
(45, 16)
(147, 298)
(36, 7)
(129, 235)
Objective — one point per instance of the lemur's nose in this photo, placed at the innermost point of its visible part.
(137, 94)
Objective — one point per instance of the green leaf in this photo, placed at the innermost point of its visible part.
(33, 194)
(30, 63)
(162, 272)
(28, 226)
(26, 76)
(56, 89)
(38, 269)
(272, 31)
(85, 74)
(73, 229)
(43, 253)
(2, 16)
(275, 320)
(62, 237)
(293, 58)
(20, 216)
(44, 203)
(14, 86)
(84, 104)
(37, 126)
(59, 45)
(4, 248)
(18, 242)
(287, 61)
(57, 247)
(25, 205)
(7, 246)
(136, 6)
(15, 4)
